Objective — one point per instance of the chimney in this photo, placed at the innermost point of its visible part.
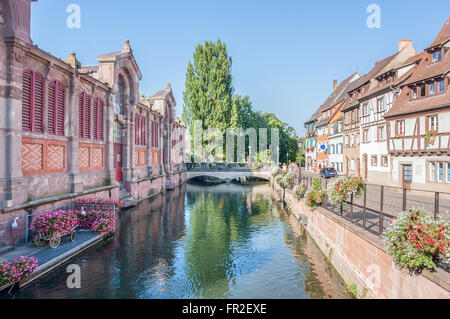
(403, 43)
(73, 61)
(334, 85)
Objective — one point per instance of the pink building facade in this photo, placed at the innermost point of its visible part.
(68, 130)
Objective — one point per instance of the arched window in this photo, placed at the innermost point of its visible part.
(32, 102)
(56, 108)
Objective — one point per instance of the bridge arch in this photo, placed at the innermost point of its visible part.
(227, 175)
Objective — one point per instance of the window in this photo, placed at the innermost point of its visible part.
(433, 122)
(84, 116)
(56, 108)
(431, 88)
(137, 130)
(384, 161)
(432, 172)
(374, 160)
(117, 133)
(32, 102)
(365, 109)
(366, 136)
(352, 164)
(448, 172)
(401, 128)
(441, 86)
(143, 131)
(98, 119)
(441, 172)
(437, 56)
(381, 133)
(380, 104)
(155, 134)
(422, 90)
(414, 92)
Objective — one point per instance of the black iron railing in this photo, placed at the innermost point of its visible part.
(376, 208)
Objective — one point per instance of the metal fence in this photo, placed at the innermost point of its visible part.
(374, 210)
(70, 206)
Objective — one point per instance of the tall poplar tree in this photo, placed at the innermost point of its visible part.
(208, 94)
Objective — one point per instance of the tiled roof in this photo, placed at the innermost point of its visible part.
(161, 94)
(315, 116)
(427, 70)
(443, 36)
(361, 82)
(424, 70)
(338, 93)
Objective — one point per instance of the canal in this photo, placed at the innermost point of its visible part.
(199, 241)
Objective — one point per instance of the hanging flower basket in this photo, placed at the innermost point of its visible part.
(300, 191)
(417, 241)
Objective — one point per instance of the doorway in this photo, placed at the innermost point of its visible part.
(118, 161)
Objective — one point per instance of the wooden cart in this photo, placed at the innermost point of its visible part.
(54, 239)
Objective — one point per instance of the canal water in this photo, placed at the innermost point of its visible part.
(198, 241)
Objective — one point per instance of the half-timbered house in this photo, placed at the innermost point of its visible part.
(419, 121)
(379, 99)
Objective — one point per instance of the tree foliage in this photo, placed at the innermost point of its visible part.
(209, 97)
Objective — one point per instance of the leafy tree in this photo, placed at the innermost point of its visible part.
(209, 97)
(209, 91)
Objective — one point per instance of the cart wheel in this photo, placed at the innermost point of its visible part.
(73, 235)
(55, 241)
(38, 240)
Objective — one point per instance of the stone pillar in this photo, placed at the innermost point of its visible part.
(109, 139)
(128, 149)
(13, 187)
(148, 146)
(72, 129)
(161, 146)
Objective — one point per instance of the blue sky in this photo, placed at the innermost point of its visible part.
(286, 54)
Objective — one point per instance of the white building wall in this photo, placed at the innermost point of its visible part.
(336, 157)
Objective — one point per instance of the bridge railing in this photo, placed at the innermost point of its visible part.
(228, 166)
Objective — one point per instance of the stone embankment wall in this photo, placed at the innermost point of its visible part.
(360, 257)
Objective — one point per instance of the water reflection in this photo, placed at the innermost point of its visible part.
(222, 241)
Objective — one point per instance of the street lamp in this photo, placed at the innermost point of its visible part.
(300, 148)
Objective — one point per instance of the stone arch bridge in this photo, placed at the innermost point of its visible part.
(228, 173)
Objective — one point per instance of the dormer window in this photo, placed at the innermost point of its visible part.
(437, 56)
(422, 90)
(414, 93)
(441, 86)
(432, 88)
